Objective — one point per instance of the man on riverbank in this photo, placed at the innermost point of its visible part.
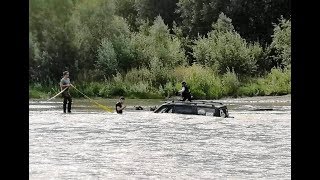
(64, 85)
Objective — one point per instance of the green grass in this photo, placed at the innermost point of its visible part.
(203, 83)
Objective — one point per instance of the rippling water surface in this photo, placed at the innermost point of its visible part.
(92, 144)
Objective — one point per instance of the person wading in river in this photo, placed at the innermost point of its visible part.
(119, 105)
(65, 84)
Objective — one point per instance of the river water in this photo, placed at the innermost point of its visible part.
(92, 144)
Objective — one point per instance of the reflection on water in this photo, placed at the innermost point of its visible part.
(91, 144)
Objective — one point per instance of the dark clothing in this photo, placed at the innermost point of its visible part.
(186, 90)
(119, 105)
(186, 94)
(66, 95)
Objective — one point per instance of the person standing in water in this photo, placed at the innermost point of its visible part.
(119, 105)
(185, 92)
(64, 85)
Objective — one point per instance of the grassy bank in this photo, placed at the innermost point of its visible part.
(203, 82)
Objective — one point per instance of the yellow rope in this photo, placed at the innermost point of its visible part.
(97, 104)
(57, 94)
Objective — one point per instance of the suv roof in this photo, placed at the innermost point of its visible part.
(198, 107)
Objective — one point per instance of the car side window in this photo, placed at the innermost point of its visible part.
(206, 111)
(185, 109)
(163, 110)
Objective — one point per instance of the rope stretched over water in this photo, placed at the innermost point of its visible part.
(57, 94)
(97, 104)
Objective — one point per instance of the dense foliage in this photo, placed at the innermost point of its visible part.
(145, 48)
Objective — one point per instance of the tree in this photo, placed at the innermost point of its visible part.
(127, 10)
(91, 22)
(150, 9)
(281, 41)
(198, 15)
(223, 49)
(106, 58)
(156, 42)
(49, 39)
(253, 19)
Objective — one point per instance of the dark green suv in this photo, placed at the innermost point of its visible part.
(198, 107)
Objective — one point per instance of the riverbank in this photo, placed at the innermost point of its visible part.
(243, 103)
(277, 82)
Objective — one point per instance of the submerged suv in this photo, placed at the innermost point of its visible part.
(198, 107)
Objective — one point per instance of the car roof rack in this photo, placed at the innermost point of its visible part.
(200, 102)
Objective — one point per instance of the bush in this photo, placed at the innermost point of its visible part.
(278, 82)
(203, 82)
(106, 90)
(124, 53)
(225, 49)
(169, 89)
(119, 87)
(137, 75)
(230, 83)
(37, 90)
(118, 90)
(37, 94)
(282, 41)
(156, 42)
(252, 89)
(161, 73)
(91, 89)
(139, 89)
(106, 58)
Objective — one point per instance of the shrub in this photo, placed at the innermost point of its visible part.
(282, 41)
(230, 83)
(136, 75)
(156, 42)
(278, 82)
(225, 49)
(203, 82)
(107, 58)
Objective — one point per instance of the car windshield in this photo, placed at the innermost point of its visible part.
(165, 109)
